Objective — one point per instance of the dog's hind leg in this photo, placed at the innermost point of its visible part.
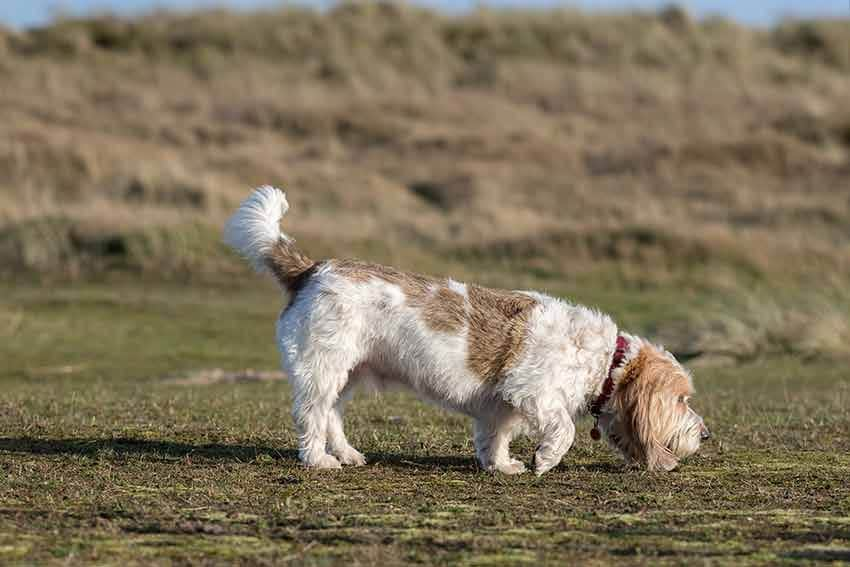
(311, 413)
(320, 345)
(318, 380)
(338, 444)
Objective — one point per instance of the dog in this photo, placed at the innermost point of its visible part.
(512, 360)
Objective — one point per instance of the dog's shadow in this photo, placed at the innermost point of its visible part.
(170, 451)
(217, 452)
(157, 450)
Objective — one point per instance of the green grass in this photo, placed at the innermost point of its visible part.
(105, 458)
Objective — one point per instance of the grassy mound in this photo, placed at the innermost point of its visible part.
(526, 148)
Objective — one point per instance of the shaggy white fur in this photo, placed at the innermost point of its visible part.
(255, 227)
(350, 324)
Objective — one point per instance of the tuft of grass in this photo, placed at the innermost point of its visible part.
(816, 41)
(58, 247)
(814, 324)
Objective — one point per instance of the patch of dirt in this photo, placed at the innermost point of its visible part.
(208, 376)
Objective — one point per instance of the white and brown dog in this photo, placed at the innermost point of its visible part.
(512, 360)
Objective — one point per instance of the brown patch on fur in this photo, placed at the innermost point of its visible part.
(413, 285)
(290, 266)
(650, 383)
(498, 326)
(301, 280)
(633, 369)
(442, 309)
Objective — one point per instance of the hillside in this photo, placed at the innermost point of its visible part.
(553, 149)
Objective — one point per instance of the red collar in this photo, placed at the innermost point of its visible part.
(608, 385)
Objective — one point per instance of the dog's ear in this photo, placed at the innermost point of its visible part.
(660, 458)
(645, 409)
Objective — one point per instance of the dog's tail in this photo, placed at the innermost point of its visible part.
(254, 232)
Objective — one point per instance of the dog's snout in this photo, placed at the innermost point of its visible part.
(704, 433)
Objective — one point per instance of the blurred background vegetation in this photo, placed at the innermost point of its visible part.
(690, 176)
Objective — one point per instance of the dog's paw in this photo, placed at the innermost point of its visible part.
(511, 467)
(323, 462)
(542, 464)
(351, 456)
(541, 467)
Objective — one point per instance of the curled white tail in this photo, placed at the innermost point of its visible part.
(254, 229)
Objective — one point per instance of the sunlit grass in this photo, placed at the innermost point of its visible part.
(106, 457)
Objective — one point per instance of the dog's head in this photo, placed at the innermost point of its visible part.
(650, 420)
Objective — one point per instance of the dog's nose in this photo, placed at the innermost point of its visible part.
(704, 434)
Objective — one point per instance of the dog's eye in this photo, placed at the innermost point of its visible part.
(684, 399)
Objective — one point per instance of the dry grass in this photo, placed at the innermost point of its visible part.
(758, 325)
(555, 148)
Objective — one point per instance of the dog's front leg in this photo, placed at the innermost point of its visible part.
(492, 441)
(559, 432)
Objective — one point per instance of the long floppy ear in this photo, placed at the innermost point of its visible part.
(643, 410)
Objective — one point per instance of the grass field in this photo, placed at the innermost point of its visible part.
(690, 177)
(113, 448)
